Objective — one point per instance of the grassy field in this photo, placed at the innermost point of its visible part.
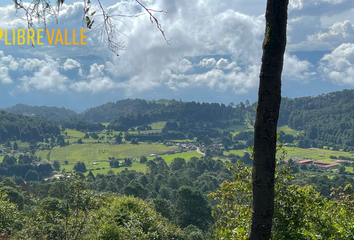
(104, 165)
(239, 152)
(156, 128)
(99, 152)
(315, 153)
(75, 135)
(288, 130)
(185, 155)
(139, 167)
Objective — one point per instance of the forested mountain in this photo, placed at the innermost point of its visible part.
(25, 128)
(107, 112)
(188, 114)
(327, 118)
(51, 113)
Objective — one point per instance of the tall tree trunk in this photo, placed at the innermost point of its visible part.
(265, 129)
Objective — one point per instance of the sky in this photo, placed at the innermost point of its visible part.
(213, 53)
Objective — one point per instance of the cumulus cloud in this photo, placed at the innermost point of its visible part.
(333, 36)
(95, 85)
(7, 63)
(207, 63)
(46, 77)
(71, 64)
(317, 25)
(319, 7)
(226, 43)
(338, 66)
(96, 71)
(30, 64)
(297, 70)
(4, 75)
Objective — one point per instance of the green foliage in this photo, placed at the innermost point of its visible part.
(31, 175)
(74, 217)
(80, 167)
(50, 113)
(132, 218)
(143, 159)
(8, 214)
(192, 208)
(56, 165)
(24, 128)
(300, 212)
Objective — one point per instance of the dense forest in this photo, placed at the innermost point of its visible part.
(186, 113)
(109, 111)
(24, 128)
(325, 120)
(193, 200)
(50, 113)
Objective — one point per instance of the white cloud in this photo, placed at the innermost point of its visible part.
(332, 37)
(30, 64)
(71, 64)
(319, 7)
(47, 77)
(294, 69)
(338, 66)
(4, 75)
(228, 42)
(207, 63)
(95, 85)
(96, 71)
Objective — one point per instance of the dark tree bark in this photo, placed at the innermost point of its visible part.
(265, 129)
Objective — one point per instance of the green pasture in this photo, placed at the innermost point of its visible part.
(137, 166)
(239, 152)
(186, 155)
(315, 153)
(75, 135)
(100, 152)
(349, 169)
(158, 125)
(156, 128)
(94, 152)
(288, 130)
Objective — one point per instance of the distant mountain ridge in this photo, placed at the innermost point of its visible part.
(109, 111)
(325, 120)
(50, 113)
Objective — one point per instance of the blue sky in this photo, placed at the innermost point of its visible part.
(214, 55)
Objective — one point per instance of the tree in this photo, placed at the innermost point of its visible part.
(143, 159)
(341, 169)
(32, 175)
(80, 167)
(127, 162)
(118, 138)
(300, 211)
(56, 165)
(265, 128)
(192, 208)
(8, 214)
(178, 163)
(15, 146)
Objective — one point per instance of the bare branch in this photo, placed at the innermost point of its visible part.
(40, 10)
